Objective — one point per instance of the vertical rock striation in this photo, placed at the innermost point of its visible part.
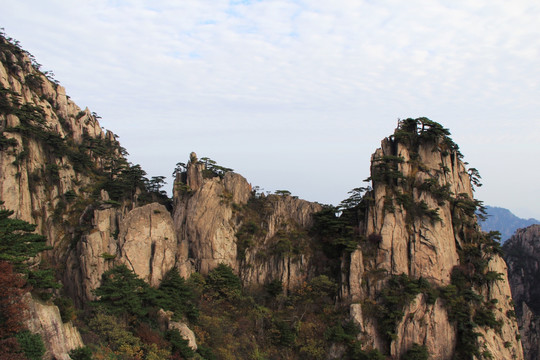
(522, 254)
(143, 239)
(423, 246)
(203, 216)
(220, 219)
(60, 338)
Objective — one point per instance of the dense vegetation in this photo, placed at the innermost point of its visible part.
(123, 322)
(20, 272)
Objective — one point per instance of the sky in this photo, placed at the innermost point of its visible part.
(297, 95)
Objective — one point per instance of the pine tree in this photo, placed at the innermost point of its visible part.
(18, 245)
(176, 295)
(122, 292)
(18, 242)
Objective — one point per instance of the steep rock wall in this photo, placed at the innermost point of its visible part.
(143, 239)
(418, 247)
(59, 338)
(203, 218)
(283, 251)
(50, 150)
(210, 212)
(522, 254)
(420, 222)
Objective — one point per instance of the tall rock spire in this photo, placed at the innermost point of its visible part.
(422, 243)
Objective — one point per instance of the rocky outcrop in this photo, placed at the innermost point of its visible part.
(59, 338)
(419, 246)
(425, 324)
(203, 217)
(504, 341)
(143, 239)
(147, 242)
(285, 223)
(92, 255)
(166, 323)
(419, 222)
(529, 328)
(211, 208)
(522, 254)
(51, 152)
(410, 249)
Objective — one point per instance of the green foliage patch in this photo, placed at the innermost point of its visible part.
(400, 290)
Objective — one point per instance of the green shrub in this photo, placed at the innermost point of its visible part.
(31, 345)
(486, 317)
(385, 170)
(179, 344)
(33, 81)
(336, 234)
(416, 352)
(82, 353)
(5, 142)
(8, 100)
(70, 195)
(284, 334)
(223, 282)
(398, 293)
(53, 172)
(67, 309)
(114, 333)
(108, 256)
(245, 236)
(345, 333)
(122, 292)
(322, 287)
(18, 244)
(177, 295)
(206, 352)
(274, 287)
(357, 353)
(441, 193)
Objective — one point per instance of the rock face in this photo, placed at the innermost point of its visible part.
(147, 242)
(143, 239)
(203, 216)
(41, 162)
(522, 254)
(60, 338)
(529, 327)
(55, 160)
(285, 222)
(49, 151)
(425, 324)
(165, 323)
(419, 223)
(213, 208)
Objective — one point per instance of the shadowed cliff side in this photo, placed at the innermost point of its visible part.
(522, 254)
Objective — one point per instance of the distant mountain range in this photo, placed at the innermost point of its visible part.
(504, 221)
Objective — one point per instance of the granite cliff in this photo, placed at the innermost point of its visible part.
(419, 223)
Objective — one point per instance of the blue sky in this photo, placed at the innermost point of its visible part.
(297, 95)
